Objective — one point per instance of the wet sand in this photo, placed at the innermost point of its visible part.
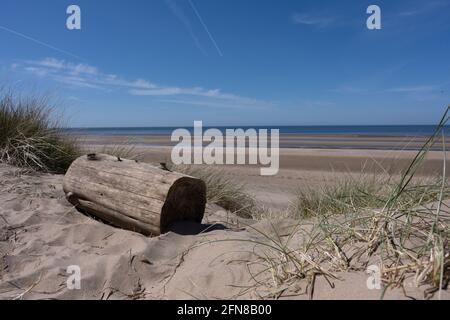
(295, 141)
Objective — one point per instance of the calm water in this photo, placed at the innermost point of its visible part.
(406, 130)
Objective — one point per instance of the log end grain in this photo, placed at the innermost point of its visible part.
(186, 201)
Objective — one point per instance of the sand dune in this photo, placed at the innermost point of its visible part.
(41, 235)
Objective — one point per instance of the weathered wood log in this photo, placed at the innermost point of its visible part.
(132, 195)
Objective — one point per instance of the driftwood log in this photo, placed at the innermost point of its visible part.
(132, 195)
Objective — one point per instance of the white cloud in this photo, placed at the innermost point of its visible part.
(425, 8)
(209, 103)
(312, 20)
(87, 76)
(216, 95)
(41, 72)
(61, 65)
(410, 13)
(350, 90)
(415, 89)
(51, 63)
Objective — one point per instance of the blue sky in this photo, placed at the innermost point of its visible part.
(231, 62)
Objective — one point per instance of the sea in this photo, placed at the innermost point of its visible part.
(372, 130)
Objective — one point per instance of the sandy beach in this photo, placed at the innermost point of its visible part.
(332, 158)
(41, 234)
(287, 141)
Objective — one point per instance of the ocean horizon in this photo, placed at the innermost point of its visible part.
(357, 130)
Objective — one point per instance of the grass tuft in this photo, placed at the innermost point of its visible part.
(360, 193)
(338, 197)
(30, 138)
(223, 191)
(125, 151)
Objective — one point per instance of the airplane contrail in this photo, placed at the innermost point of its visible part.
(39, 42)
(206, 28)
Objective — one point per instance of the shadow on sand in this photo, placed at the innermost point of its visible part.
(190, 228)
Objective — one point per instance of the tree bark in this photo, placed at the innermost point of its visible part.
(132, 195)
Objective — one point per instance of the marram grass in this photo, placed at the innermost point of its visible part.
(30, 138)
(223, 191)
(400, 226)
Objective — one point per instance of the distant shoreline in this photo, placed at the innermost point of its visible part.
(350, 131)
(305, 167)
(287, 141)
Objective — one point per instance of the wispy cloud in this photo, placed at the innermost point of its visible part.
(401, 89)
(409, 13)
(312, 20)
(424, 8)
(415, 89)
(213, 104)
(422, 92)
(195, 91)
(213, 98)
(350, 90)
(80, 75)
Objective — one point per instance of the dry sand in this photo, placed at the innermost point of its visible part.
(41, 235)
